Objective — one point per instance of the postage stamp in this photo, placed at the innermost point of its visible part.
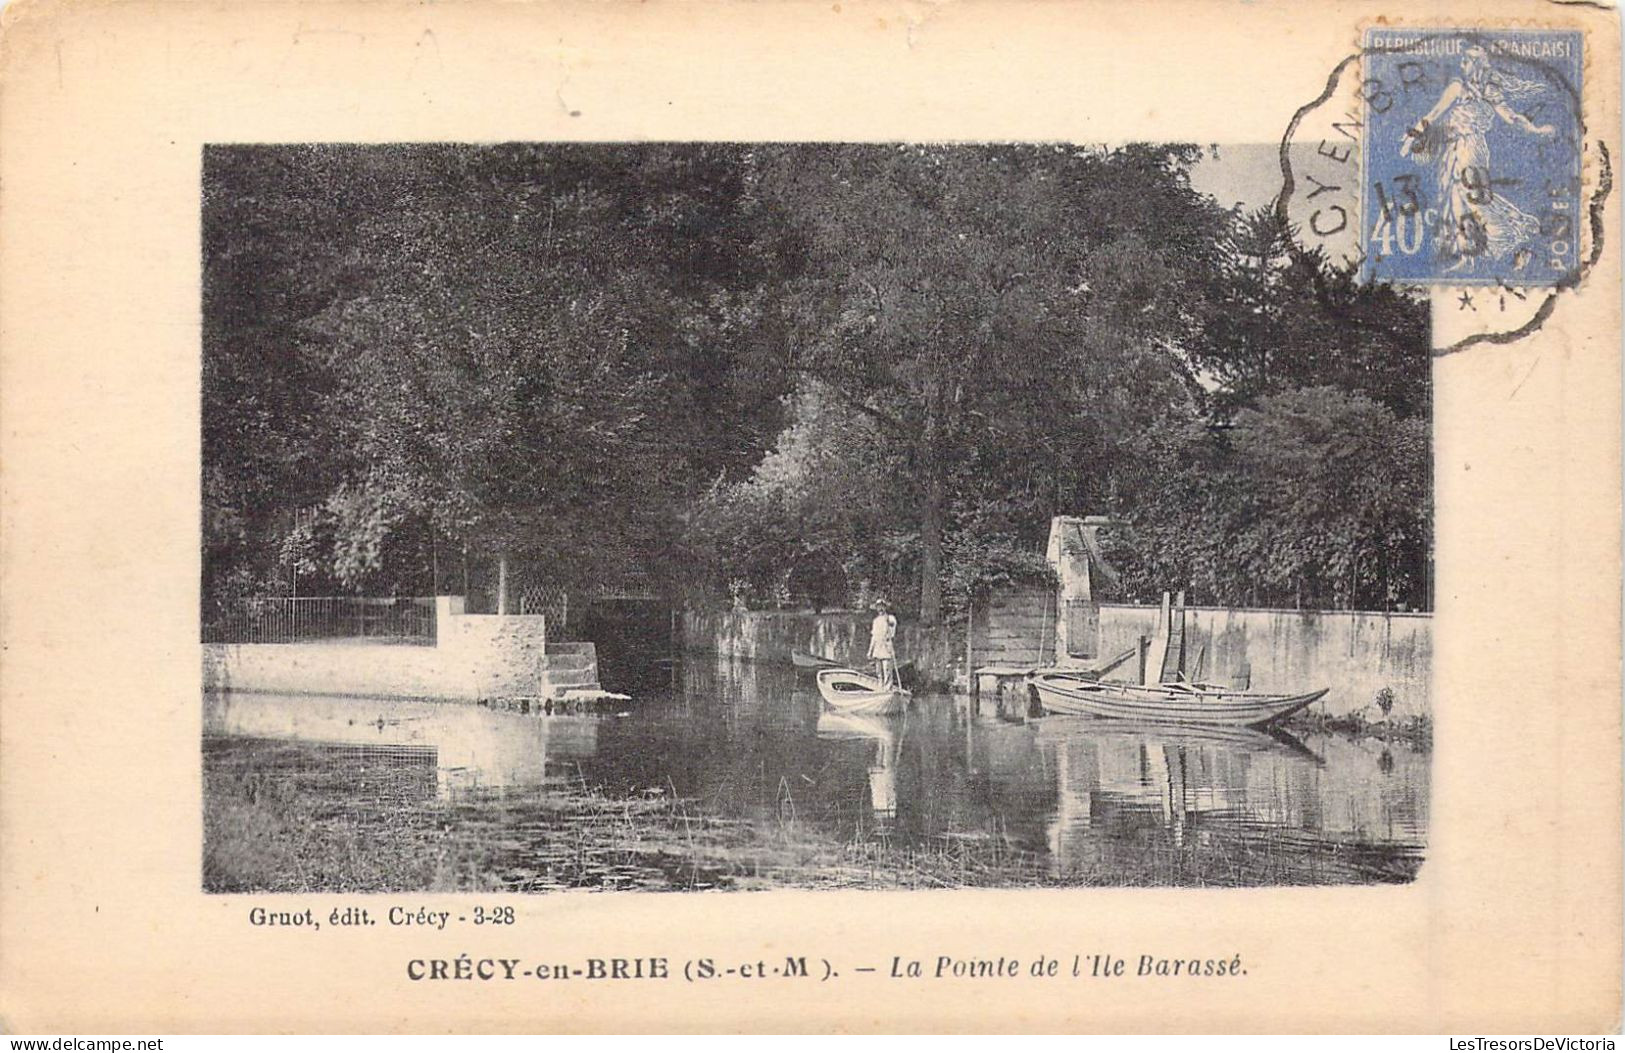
(1472, 153)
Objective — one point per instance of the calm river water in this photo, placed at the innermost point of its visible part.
(785, 794)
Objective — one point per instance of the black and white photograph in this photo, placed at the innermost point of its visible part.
(1045, 517)
(710, 516)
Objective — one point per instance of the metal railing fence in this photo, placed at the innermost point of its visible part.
(293, 619)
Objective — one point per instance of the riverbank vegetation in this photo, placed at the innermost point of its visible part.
(776, 373)
(1414, 732)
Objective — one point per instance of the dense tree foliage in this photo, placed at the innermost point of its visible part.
(1315, 496)
(1013, 304)
(539, 352)
(792, 370)
(1279, 317)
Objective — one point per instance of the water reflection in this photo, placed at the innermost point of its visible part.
(886, 733)
(1058, 800)
(1336, 811)
(470, 747)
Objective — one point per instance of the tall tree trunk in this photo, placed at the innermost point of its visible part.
(502, 584)
(932, 515)
(934, 509)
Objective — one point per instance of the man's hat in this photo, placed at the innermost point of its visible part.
(880, 604)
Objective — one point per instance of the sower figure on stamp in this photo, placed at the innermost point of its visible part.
(883, 643)
(1474, 219)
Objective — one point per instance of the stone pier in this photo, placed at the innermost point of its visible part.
(475, 657)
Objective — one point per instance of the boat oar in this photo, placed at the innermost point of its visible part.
(813, 661)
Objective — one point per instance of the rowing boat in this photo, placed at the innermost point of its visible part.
(853, 692)
(1066, 694)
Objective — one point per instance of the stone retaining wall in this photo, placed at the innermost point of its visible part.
(843, 636)
(1360, 656)
(1357, 654)
(474, 657)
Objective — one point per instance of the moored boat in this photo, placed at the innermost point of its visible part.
(853, 692)
(1065, 694)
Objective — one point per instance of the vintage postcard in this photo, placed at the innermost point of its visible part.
(824, 516)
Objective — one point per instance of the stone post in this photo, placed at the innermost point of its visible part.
(445, 609)
(1073, 541)
(1070, 559)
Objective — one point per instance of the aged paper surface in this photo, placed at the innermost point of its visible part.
(1513, 924)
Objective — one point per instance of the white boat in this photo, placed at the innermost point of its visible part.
(853, 692)
(1067, 694)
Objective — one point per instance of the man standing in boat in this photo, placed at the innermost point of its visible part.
(883, 643)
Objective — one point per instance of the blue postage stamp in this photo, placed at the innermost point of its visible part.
(1471, 156)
